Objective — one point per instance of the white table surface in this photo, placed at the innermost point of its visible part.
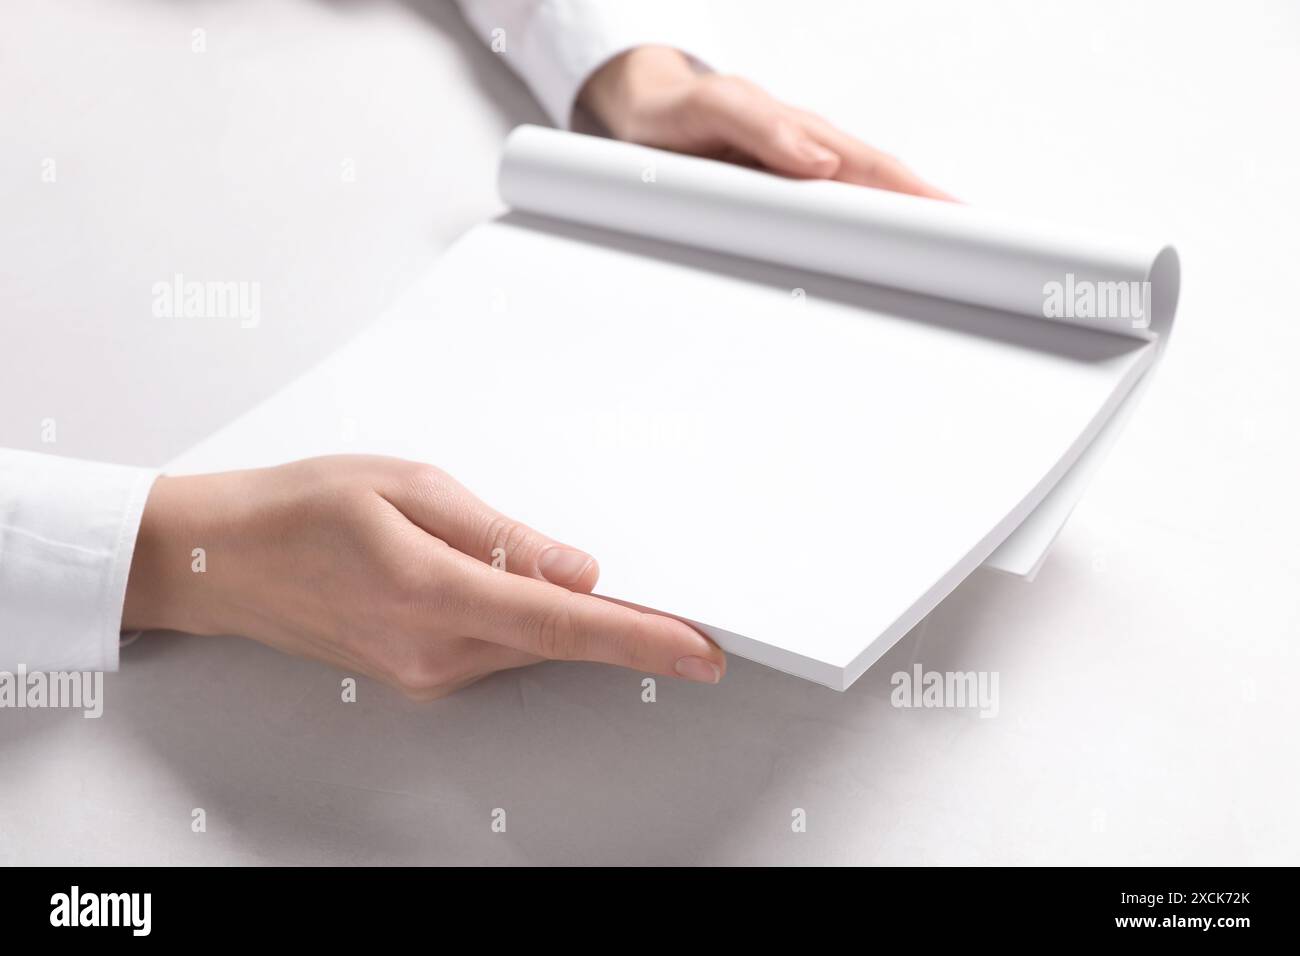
(1147, 704)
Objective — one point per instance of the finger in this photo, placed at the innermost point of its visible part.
(446, 509)
(748, 120)
(550, 622)
(864, 165)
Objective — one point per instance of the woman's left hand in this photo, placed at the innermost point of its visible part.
(653, 96)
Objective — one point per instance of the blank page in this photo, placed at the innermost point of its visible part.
(802, 465)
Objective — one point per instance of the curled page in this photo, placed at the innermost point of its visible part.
(948, 250)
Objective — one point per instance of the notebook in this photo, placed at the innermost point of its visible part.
(795, 414)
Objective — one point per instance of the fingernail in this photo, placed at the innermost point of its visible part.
(698, 669)
(562, 566)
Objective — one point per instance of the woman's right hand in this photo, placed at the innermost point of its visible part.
(384, 567)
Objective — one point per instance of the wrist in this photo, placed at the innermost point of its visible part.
(167, 588)
(620, 92)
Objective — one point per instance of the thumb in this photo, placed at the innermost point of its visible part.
(443, 507)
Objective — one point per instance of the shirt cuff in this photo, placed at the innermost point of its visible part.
(67, 536)
(556, 45)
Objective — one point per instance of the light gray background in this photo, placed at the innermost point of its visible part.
(1148, 700)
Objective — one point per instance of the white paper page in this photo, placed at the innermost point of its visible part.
(804, 475)
(939, 249)
(1023, 552)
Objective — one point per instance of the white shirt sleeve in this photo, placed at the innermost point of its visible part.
(555, 45)
(67, 533)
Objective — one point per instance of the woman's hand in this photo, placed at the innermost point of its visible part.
(384, 567)
(653, 96)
